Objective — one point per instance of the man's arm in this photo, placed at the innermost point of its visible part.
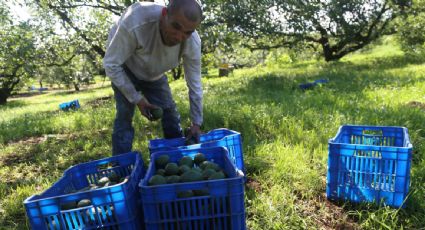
(122, 45)
(192, 70)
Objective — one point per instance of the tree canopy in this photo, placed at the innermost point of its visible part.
(338, 27)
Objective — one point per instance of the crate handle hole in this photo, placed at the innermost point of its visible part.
(373, 132)
(108, 165)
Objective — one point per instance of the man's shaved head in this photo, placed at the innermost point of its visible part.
(191, 9)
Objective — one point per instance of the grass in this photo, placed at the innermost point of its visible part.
(285, 133)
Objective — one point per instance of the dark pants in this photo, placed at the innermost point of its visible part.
(157, 93)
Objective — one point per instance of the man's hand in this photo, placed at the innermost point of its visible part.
(194, 133)
(145, 107)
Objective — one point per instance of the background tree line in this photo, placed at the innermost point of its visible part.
(64, 41)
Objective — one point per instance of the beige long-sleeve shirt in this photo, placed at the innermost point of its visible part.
(136, 41)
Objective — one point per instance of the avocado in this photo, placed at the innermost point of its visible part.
(84, 203)
(183, 169)
(157, 180)
(93, 186)
(208, 164)
(217, 176)
(102, 181)
(186, 160)
(201, 192)
(185, 194)
(190, 141)
(199, 158)
(162, 161)
(69, 205)
(191, 176)
(114, 177)
(156, 113)
(212, 165)
(171, 169)
(173, 179)
(160, 172)
(207, 173)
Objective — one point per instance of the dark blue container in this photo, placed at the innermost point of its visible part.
(113, 207)
(218, 137)
(369, 163)
(221, 207)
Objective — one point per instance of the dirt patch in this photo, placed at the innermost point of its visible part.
(416, 104)
(253, 184)
(326, 214)
(14, 158)
(99, 101)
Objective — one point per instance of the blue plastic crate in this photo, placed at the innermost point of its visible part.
(112, 207)
(369, 163)
(310, 85)
(223, 208)
(218, 137)
(75, 104)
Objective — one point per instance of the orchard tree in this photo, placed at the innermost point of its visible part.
(337, 27)
(411, 28)
(17, 54)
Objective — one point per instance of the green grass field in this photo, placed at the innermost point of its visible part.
(285, 133)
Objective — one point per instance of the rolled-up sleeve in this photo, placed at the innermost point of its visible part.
(192, 71)
(120, 46)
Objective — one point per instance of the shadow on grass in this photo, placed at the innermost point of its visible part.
(13, 104)
(85, 90)
(28, 94)
(377, 64)
(38, 124)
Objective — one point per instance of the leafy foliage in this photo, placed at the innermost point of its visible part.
(17, 53)
(411, 28)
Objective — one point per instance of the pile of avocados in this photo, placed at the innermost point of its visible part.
(185, 170)
(112, 179)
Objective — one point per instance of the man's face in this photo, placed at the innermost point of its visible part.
(176, 28)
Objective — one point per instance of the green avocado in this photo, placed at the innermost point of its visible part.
(84, 203)
(191, 176)
(183, 169)
(69, 205)
(114, 177)
(171, 169)
(186, 160)
(207, 173)
(173, 179)
(209, 165)
(185, 194)
(102, 181)
(157, 180)
(160, 172)
(156, 113)
(199, 158)
(201, 192)
(162, 161)
(217, 176)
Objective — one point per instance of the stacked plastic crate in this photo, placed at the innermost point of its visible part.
(218, 137)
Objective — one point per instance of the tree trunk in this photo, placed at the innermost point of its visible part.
(4, 94)
(76, 86)
(177, 72)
